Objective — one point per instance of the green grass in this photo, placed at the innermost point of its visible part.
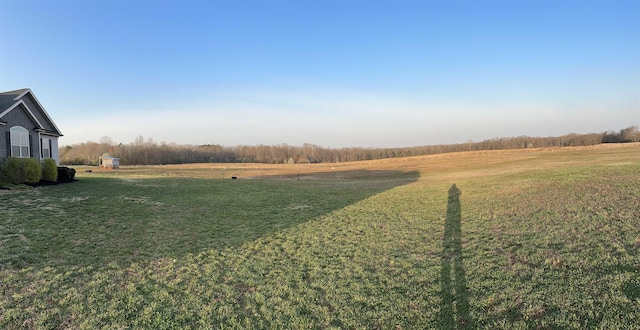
(541, 240)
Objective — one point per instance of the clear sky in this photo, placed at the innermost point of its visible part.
(332, 73)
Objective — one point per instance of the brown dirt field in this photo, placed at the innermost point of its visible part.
(485, 161)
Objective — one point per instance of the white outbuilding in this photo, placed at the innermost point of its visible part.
(109, 162)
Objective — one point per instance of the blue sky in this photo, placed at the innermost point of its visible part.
(332, 73)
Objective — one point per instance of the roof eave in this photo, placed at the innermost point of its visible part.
(18, 100)
(44, 111)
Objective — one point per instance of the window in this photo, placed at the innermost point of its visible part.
(45, 145)
(19, 142)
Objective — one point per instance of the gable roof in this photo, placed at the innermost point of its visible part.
(107, 156)
(11, 99)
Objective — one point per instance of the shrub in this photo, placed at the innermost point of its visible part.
(20, 170)
(32, 170)
(49, 170)
(66, 174)
(11, 172)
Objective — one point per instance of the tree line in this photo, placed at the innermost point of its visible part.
(148, 152)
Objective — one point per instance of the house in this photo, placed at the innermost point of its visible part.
(108, 162)
(26, 130)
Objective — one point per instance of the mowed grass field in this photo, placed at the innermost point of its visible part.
(536, 238)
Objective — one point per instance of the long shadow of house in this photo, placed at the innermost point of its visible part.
(454, 308)
(131, 220)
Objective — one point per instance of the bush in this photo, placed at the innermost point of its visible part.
(11, 172)
(32, 170)
(28, 170)
(21, 170)
(66, 174)
(49, 170)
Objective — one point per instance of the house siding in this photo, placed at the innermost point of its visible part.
(54, 150)
(18, 116)
(35, 109)
(47, 125)
(3, 142)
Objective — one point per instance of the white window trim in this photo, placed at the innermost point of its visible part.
(20, 130)
(45, 143)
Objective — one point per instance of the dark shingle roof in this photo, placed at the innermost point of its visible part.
(7, 98)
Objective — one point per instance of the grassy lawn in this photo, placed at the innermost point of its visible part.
(526, 239)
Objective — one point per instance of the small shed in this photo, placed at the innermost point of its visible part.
(109, 162)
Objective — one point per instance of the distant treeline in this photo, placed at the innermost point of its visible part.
(148, 152)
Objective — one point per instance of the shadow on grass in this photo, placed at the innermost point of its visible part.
(100, 220)
(454, 308)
